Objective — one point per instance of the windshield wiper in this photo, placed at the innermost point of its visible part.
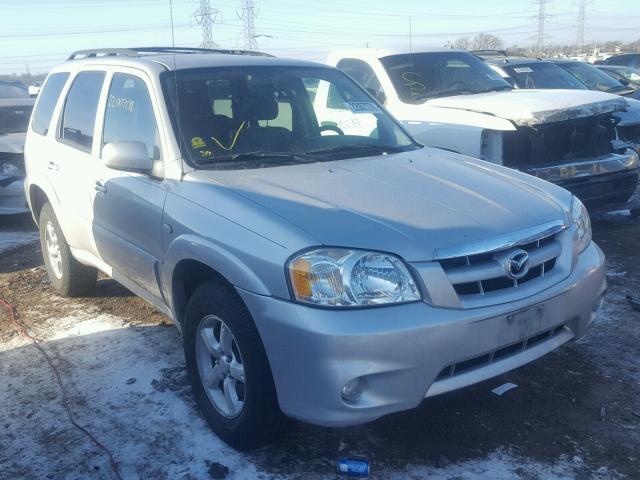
(359, 147)
(501, 88)
(260, 157)
(453, 92)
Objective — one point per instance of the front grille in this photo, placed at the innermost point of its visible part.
(480, 361)
(483, 273)
(559, 142)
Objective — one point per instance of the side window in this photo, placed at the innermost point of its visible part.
(129, 114)
(622, 61)
(47, 101)
(362, 73)
(79, 117)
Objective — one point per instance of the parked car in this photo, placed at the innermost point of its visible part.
(624, 60)
(533, 73)
(596, 79)
(13, 89)
(329, 276)
(623, 74)
(453, 100)
(14, 121)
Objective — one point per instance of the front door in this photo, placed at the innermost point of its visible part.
(128, 206)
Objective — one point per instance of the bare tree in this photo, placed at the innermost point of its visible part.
(485, 41)
(482, 41)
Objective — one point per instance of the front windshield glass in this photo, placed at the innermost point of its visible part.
(630, 74)
(592, 77)
(257, 116)
(417, 77)
(542, 75)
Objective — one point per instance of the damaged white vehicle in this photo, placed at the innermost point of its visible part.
(452, 100)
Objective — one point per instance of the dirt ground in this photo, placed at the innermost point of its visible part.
(575, 412)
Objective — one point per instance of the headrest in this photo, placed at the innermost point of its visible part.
(195, 102)
(262, 105)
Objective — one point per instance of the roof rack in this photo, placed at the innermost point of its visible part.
(490, 53)
(139, 52)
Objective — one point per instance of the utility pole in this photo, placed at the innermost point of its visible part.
(205, 17)
(542, 18)
(248, 16)
(582, 10)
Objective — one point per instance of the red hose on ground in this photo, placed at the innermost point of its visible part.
(22, 329)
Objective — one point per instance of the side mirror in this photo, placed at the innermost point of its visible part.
(378, 95)
(129, 156)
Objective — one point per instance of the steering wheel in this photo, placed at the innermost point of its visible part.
(332, 128)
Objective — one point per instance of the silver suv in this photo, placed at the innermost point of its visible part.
(317, 275)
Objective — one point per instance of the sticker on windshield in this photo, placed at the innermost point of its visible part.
(523, 69)
(363, 107)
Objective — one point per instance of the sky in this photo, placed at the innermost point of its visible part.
(38, 34)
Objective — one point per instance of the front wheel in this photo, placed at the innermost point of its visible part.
(229, 370)
(68, 277)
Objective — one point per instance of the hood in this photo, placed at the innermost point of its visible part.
(534, 107)
(12, 142)
(409, 204)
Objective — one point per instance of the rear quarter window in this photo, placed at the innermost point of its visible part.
(47, 101)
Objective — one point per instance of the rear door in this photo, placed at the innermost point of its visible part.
(74, 156)
(128, 206)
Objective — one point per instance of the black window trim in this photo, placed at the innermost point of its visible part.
(59, 137)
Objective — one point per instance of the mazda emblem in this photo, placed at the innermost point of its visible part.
(517, 264)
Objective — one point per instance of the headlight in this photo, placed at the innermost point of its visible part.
(349, 278)
(580, 218)
(8, 168)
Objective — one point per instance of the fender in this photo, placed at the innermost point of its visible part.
(216, 257)
(36, 179)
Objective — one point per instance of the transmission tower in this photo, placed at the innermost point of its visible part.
(248, 16)
(582, 11)
(542, 18)
(205, 16)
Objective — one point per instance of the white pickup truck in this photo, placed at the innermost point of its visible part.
(452, 100)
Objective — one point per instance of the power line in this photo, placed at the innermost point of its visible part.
(205, 16)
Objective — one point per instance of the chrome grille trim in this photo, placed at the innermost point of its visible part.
(502, 242)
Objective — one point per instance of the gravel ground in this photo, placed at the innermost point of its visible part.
(575, 413)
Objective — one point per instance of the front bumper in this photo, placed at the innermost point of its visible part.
(12, 198)
(603, 183)
(401, 351)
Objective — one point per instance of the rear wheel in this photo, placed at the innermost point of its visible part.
(68, 277)
(229, 370)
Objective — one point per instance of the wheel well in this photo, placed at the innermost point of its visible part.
(38, 199)
(187, 276)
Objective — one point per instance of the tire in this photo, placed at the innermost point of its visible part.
(258, 420)
(68, 277)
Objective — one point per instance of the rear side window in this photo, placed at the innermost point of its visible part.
(129, 115)
(47, 101)
(80, 108)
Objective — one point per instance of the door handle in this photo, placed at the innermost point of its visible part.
(53, 166)
(100, 186)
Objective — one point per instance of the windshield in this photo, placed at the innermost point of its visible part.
(542, 75)
(253, 116)
(14, 119)
(592, 77)
(13, 90)
(418, 77)
(630, 74)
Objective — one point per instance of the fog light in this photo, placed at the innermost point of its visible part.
(353, 389)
